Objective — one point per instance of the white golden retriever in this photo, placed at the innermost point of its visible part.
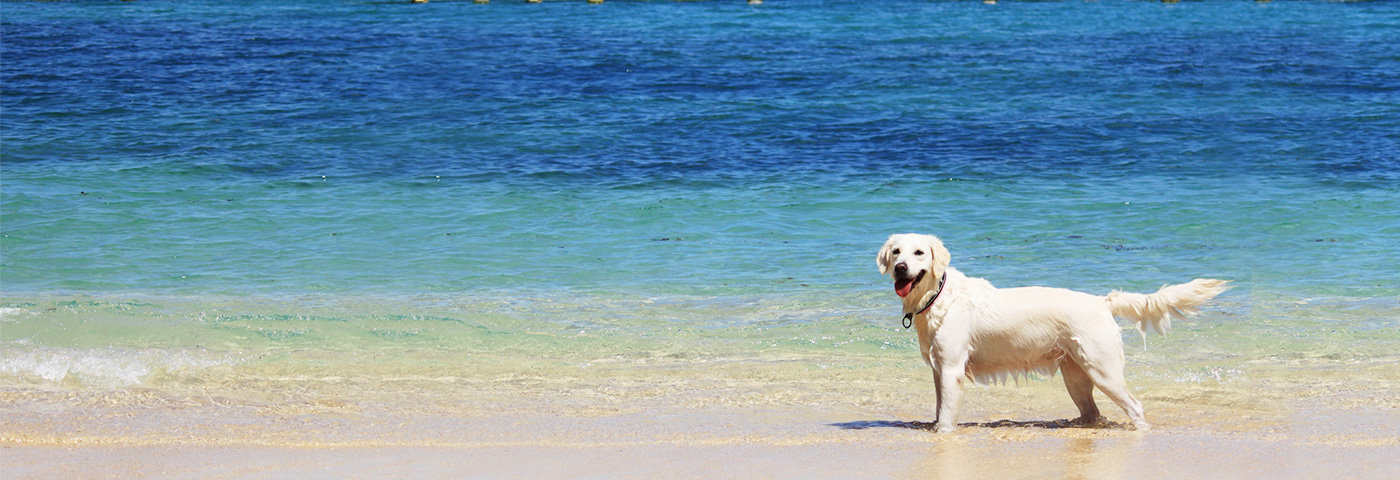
(970, 329)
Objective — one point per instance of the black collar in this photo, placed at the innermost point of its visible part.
(909, 317)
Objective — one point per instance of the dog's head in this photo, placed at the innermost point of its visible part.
(914, 261)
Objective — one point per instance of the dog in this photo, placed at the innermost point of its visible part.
(970, 329)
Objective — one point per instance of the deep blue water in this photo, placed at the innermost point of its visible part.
(684, 91)
(732, 156)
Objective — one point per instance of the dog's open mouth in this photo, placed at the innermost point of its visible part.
(902, 286)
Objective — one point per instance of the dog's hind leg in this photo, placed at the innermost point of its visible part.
(1107, 375)
(1081, 389)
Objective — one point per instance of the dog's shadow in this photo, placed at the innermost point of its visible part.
(916, 425)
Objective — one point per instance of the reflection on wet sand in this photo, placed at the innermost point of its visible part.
(1098, 458)
(1098, 451)
(963, 456)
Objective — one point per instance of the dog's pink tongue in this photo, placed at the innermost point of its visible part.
(903, 287)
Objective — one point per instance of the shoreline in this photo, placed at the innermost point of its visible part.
(702, 430)
(830, 400)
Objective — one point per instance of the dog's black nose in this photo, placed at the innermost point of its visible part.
(901, 268)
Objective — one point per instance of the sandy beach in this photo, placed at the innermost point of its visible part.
(670, 424)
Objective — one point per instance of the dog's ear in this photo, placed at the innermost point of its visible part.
(941, 257)
(882, 259)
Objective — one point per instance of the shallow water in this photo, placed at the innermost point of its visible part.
(244, 197)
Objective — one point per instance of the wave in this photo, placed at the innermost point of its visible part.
(100, 367)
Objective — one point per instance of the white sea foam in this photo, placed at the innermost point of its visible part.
(106, 367)
(13, 314)
(1197, 375)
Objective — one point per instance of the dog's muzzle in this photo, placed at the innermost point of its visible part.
(903, 284)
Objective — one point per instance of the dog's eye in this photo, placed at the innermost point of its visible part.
(918, 253)
(896, 251)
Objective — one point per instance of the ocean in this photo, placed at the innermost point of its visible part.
(263, 202)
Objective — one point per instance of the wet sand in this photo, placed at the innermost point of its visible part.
(862, 455)
(855, 429)
(788, 449)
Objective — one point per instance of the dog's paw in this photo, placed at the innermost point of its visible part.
(1083, 421)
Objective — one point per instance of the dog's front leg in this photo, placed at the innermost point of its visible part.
(949, 382)
(948, 354)
(930, 356)
(949, 370)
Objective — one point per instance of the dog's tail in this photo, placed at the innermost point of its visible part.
(1157, 309)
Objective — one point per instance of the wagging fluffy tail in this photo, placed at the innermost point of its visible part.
(1157, 309)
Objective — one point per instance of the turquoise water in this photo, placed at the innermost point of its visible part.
(198, 188)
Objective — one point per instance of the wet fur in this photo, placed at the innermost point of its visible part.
(975, 330)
